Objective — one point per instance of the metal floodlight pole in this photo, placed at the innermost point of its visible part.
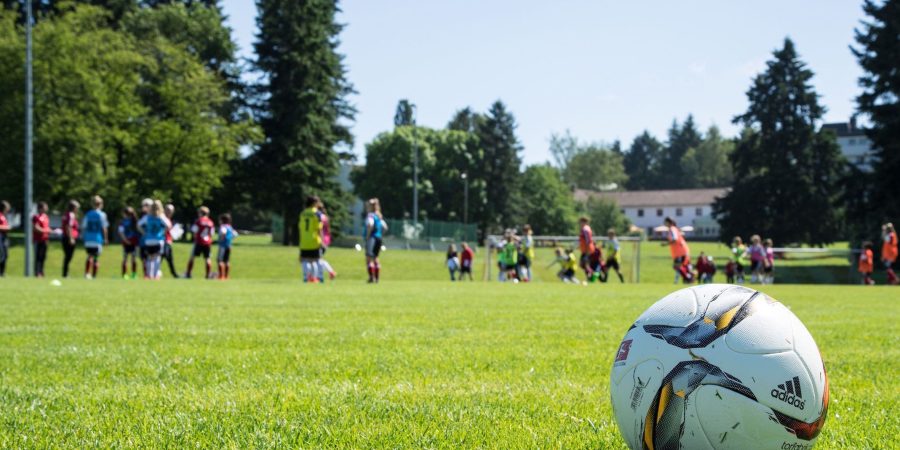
(29, 138)
(415, 171)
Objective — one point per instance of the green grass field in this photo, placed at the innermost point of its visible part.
(266, 361)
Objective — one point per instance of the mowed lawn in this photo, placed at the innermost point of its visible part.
(266, 361)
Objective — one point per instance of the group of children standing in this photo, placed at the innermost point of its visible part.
(147, 237)
(889, 253)
(760, 255)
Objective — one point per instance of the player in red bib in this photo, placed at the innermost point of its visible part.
(4, 239)
(70, 234)
(40, 237)
(203, 230)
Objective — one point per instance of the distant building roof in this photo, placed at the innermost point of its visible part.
(672, 197)
(845, 129)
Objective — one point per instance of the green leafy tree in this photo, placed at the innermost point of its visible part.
(563, 147)
(596, 168)
(544, 201)
(115, 116)
(500, 168)
(878, 53)
(304, 108)
(786, 173)
(706, 165)
(388, 176)
(605, 214)
(641, 162)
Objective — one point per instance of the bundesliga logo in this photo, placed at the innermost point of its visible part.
(789, 392)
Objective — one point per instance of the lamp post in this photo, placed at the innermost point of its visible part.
(465, 178)
(29, 114)
(413, 108)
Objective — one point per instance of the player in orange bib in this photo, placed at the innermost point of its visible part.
(681, 253)
(866, 265)
(889, 251)
(586, 245)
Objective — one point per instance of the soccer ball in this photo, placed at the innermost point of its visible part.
(719, 366)
(358, 247)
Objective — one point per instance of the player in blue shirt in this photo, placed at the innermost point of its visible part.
(153, 227)
(94, 233)
(375, 228)
(226, 236)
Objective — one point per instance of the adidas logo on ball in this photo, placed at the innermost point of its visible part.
(790, 393)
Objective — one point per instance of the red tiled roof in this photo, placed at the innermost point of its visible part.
(673, 197)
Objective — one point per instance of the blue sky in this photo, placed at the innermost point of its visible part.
(603, 69)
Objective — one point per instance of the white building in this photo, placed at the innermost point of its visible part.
(855, 145)
(647, 209)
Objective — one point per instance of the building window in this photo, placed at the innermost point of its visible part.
(678, 212)
(640, 213)
(698, 212)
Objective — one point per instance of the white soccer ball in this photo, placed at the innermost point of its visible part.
(358, 247)
(719, 366)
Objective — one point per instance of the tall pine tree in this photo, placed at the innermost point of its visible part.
(786, 173)
(879, 55)
(681, 140)
(501, 167)
(305, 107)
(641, 162)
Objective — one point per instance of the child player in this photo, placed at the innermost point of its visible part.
(612, 255)
(769, 270)
(40, 238)
(586, 244)
(326, 242)
(169, 211)
(202, 230)
(153, 228)
(310, 228)
(95, 233)
(568, 263)
(70, 234)
(466, 258)
(453, 262)
(375, 229)
(4, 238)
(595, 262)
(527, 252)
(146, 204)
(130, 238)
(510, 258)
(679, 250)
(226, 236)
(866, 263)
(889, 251)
